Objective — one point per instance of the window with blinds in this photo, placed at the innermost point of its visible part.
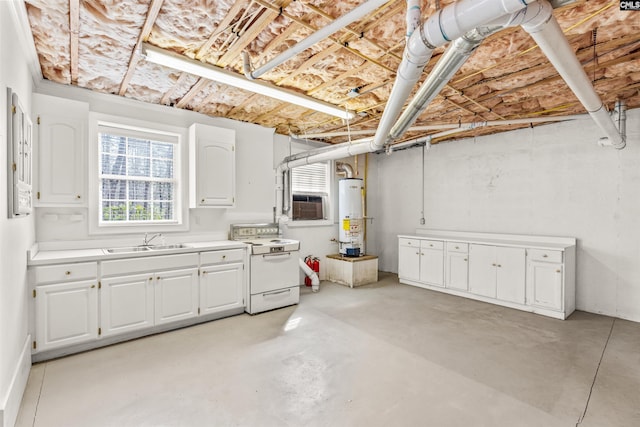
(137, 176)
(310, 192)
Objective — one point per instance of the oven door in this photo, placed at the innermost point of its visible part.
(270, 272)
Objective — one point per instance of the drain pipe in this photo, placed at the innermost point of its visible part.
(315, 281)
(551, 40)
(355, 14)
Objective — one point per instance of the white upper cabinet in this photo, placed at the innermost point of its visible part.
(61, 143)
(212, 166)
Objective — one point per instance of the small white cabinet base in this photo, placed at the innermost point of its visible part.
(352, 271)
(531, 273)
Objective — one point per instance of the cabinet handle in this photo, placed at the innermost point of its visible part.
(498, 265)
(422, 254)
(150, 278)
(224, 256)
(67, 273)
(202, 201)
(78, 196)
(558, 271)
(465, 259)
(545, 256)
(204, 272)
(93, 286)
(431, 245)
(494, 264)
(158, 278)
(417, 253)
(457, 247)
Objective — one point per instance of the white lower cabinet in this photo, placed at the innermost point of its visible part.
(497, 272)
(457, 266)
(515, 271)
(421, 261)
(546, 277)
(78, 303)
(176, 295)
(409, 259)
(66, 314)
(432, 262)
(126, 304)
(221, 287)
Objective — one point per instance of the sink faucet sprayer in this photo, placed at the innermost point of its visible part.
(148, 239)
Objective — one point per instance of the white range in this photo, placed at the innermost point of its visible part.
(274, 277)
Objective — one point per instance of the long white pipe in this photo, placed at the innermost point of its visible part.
(315, 281)
(542, 119)
(355, 14)
(549, 37)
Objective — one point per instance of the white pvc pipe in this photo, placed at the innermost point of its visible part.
(448, 24)
(551, 40)
(541, 119)
(315, 281)
(358, 13)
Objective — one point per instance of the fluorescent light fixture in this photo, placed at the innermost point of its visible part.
(211, 72)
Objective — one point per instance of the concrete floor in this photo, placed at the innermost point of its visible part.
(379, 355)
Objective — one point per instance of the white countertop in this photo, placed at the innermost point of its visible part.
(100, 254)
(534, 244)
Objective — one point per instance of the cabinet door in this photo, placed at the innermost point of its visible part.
(409, 263)
(510, 274)
(213, 167)
(482, 270)
(126, 303)
(61, 161)
(546, 280)
(221, 288)
(432, 266)
(176, 295)
(457, 270)
(66, 314)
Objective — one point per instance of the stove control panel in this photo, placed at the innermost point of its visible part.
(253, 231)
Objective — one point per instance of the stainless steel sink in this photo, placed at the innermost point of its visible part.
(126, 249)
(164, 247)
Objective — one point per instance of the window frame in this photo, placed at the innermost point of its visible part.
(164, 133)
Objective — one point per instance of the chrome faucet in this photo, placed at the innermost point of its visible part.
(148, 239)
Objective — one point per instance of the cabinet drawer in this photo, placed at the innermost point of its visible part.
(66, 272)
(410, 242)
(149, 263)
(457, 247)
(432, 244)
(544, 255)
(218, 257)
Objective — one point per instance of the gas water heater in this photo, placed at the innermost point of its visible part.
(351, 235)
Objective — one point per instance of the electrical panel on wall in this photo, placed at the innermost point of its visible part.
(19, 146)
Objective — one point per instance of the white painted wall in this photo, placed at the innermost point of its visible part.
(16, 235)
(550, 180)
(255, 183)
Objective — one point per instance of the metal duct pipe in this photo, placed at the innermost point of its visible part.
(551, 40)
(346, 168)
(339, 23)
(453, 58)
(448, 24)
